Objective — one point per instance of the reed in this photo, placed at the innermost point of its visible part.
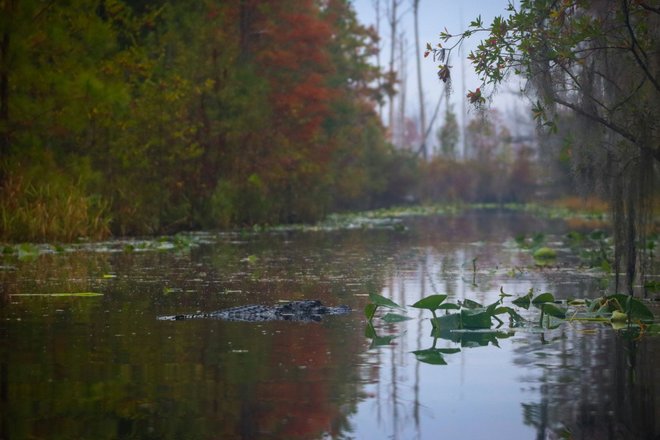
(49, 208)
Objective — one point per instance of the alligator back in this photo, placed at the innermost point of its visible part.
(305, 311)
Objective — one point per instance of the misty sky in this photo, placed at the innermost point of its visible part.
(435, 15)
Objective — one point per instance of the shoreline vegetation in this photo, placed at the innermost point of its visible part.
(134, 119)
(589, 213)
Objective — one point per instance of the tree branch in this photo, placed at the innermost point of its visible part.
(649, 8)
(634, 44)
(431, 122)
(609, 124)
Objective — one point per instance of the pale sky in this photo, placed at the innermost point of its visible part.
(434, 16)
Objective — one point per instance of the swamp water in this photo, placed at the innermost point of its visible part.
(104, 367)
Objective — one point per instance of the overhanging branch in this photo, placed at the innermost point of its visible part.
(611, 125)
(635, 44)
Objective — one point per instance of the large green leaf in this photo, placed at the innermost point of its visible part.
(430, 302)
(476, 319)
(634, 308)
(370, 310)
(449, 306)
(515, 318)
(447, 322)
(544, 298)
(380, 300)
(553, 310)
(523, 301)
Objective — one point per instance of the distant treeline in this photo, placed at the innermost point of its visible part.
(141, 117)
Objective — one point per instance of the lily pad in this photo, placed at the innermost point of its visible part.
(544, 254)
(72, 294)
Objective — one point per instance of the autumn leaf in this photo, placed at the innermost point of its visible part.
(444, 73)
(475, 97)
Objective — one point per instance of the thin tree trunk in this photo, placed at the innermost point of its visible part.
(420, 87)
(393, 20)
(376, 4)
(401, 119)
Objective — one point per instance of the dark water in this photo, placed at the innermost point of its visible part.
(105, 367)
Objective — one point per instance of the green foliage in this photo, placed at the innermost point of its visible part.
(379, 301)
(592, 71)
(472, 325)
(449, 134)
(185, 117)
(41, 200)
(431, 303)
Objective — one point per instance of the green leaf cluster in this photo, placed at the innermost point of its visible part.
(472, 324)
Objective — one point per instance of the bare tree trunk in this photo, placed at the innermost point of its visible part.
(403, 68)
(376, 4)
(420, 87)
(393, 20)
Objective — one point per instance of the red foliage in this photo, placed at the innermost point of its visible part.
(292, 54)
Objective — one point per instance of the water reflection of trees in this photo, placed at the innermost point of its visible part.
(122, 375)
(593, 382)
(108, 367)
(595, 385)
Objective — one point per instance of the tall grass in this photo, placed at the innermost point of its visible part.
(38, 205)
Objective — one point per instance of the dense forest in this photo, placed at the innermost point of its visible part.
(142, 117)
(134, 117)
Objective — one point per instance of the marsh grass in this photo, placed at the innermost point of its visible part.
(39, 207)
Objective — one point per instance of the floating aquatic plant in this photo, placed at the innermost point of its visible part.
(473, 324)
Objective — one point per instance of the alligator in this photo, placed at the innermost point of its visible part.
(304, 311)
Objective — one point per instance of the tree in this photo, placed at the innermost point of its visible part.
(449, 134)
(156, 116)
(420, 87)
(599, 60)
(393, 19)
